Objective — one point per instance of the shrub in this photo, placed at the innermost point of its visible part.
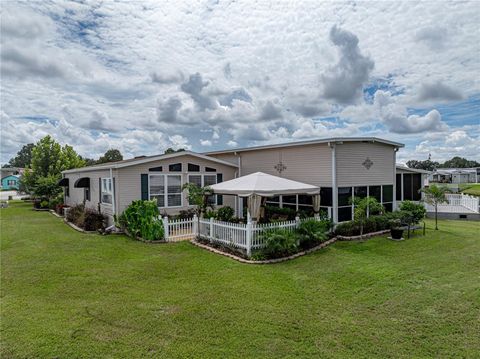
(75, 212)
(347, 229)
(186, 214)
(279, 243)
(312, 232)
(279, 213)
(210, 214)
(140, 219)
(415, 211)
(92, 220)
(225, 214)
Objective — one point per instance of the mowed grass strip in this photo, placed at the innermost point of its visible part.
(71, 295)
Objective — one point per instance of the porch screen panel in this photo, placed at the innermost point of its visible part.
(407, 187)
(416, 186)
(398, 187)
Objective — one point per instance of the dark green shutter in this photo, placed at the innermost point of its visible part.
(219, 196)
(144, 179)
(99, 190)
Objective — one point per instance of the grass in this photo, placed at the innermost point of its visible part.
(472, 189)
(72, 295)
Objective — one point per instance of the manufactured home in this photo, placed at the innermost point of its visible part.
(342, 167)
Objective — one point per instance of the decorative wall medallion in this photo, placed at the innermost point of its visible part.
(367, 163)
(280, 167)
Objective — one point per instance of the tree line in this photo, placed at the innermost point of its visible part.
(455, 162)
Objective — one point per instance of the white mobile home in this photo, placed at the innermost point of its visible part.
(341, 167)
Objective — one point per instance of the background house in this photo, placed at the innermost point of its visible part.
(10, 182)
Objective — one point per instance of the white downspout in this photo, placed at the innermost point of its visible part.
(113, 193)
(334, 184)
(238, 200)
(394, 207)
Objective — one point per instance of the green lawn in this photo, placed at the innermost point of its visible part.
(472, 189)
(70, 295)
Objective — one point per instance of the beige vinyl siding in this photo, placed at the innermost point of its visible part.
(308, 164)
(129, 179)
(350, 170)
(77, 194)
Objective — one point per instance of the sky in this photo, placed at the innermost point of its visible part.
(205, 75)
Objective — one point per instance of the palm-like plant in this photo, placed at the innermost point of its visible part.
(435, 195)
(363, 206)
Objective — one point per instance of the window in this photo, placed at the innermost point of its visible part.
(326, 197)
(157, 189)
(387, 191)
(209, 180)
(193, 168)
(416, 186)
(344, 196)
(376, 192)
(175, 167)
(345, 214)
(174, 191)
(204, 181)
(398, 187)
(210, 169)
(166, 190)
(195, 179)
(360, 192)
(407, 186)
(106, 191)
(11, 182)
(156, 169)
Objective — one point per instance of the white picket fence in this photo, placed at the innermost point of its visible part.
(179, 230)
(246, 236)
(457, 200)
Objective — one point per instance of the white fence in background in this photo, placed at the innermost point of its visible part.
(457, 200)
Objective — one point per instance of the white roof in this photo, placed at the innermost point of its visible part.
(310, 142)
(408, 169)
(263, 184)
(140, 160)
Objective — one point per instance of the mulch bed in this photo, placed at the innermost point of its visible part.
(267, 261)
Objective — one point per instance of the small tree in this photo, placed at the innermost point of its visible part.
(47, 187)
(435, 195)
(198, 197)
(363, 206)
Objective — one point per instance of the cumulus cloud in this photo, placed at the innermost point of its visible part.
(395, 116)
(438, 92)
(167, 111)
(165, 78)
(194, 87)
(236, 95)
(270, 111)
(434, 37)
(206, 143)
(344, 81)
(239, 87)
